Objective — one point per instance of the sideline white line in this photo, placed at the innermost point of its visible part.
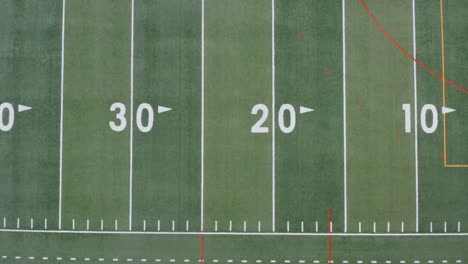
(416, 156)
(234, 233)
(202, 148)
(64, 2)
(345, 162)
(273, 110)
(131, 117)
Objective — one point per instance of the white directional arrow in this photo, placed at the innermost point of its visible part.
(446, 110)
(163, 109)
(304, 110)
(22, 108)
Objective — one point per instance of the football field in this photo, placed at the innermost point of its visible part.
(234, 131)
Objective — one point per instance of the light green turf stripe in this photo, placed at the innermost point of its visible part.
(95, 158)
(381, 180)
(238, 176)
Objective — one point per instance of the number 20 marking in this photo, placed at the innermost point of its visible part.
(258, 126)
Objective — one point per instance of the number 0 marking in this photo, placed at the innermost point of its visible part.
(435, 119)
(5, 127)
(149, 126)
(292, 122)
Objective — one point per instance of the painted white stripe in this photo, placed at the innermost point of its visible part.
(202, 148)
(130, 207)
(64, 2)
(415, 86)
(345, 161)
(273, 124)
(456, 234)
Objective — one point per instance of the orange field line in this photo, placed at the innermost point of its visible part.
(444, 94)
(442, 40)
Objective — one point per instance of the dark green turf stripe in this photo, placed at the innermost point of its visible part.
(30, 75)
(167, 72)
(309, 73)
(443, 191)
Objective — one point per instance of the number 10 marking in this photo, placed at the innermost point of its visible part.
(427, 107)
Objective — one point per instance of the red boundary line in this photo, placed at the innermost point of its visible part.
(409, 55)
(202, 249)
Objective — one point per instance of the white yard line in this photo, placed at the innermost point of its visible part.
(416, 156)
(202, 148)
(131, 117)
(64, 2)
(342, 234)
(273, 110)
(345, 162)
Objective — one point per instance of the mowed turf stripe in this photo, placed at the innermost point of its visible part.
(443, 190)
(381, 162)
(309, 161)
(97, 74)
(30, 75)
(238, 164)
(167, 72)
(456, 55)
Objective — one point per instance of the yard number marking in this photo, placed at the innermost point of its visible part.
(424, 112)
(120, 123)
(7, 115)
(7, 125)
(259, 127)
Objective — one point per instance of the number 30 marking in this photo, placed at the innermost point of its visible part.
(121, 123)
